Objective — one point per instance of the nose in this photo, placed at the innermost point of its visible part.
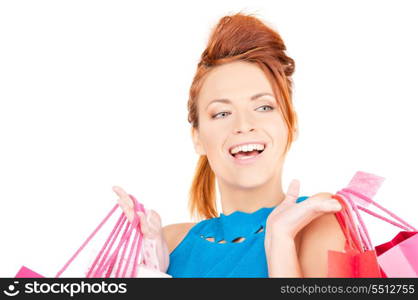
(237, 131)
(242, 125)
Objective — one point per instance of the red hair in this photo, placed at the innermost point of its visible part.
(246, 38)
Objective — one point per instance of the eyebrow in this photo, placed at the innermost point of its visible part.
(254, 97)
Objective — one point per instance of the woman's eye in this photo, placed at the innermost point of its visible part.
(267, 106)
(224, 112)
(214, 116)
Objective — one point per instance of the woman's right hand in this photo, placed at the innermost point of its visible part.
(150, 222)
(289, 217)
(151, 228)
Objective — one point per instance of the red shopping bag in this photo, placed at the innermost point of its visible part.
(357, 261)
(113, 259)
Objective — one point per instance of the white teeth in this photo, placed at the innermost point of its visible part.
(247, 148)
(247, 157)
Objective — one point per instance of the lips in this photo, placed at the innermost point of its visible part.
(246, 143)
(247, 161)
(246, 155)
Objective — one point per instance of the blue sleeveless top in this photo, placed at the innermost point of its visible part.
(197, 257)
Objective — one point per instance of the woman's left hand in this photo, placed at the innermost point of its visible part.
(289, 217)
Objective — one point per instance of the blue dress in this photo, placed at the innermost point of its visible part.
(197, 257)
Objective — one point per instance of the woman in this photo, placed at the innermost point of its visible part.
(243, 124)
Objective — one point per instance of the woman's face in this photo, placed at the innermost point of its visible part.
(240, 119)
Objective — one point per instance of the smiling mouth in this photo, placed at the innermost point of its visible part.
(243, 155)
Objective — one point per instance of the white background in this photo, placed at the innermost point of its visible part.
(94, 94)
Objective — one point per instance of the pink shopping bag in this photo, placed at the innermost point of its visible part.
(398, 257)
(25, 272)
(113, 259)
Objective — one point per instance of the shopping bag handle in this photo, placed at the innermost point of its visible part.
(124, 242)
(404, 225)
(112, 238)
(359, 225)
(108, 262)
(347, 225)
(120, 222)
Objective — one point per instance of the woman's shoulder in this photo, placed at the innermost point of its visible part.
(175, 233)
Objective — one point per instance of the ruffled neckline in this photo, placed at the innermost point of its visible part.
(243, 213)
(259, 211)
(239, 223)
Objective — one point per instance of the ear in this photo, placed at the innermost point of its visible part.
(197, 143)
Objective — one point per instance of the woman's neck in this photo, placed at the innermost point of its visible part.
(250, 199)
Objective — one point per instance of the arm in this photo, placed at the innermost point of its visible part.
(283, 260)
(310, 259)
(323, 234)
(156, 253)
(175, 233)
(299, 235)
(160, 246)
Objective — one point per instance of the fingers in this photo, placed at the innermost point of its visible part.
(150, 228)
(129, 213)
(321, 204)
(123, 196)
(125, 202)
(292, 191)
(153, 218)
(150, 221)
(144, 223)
